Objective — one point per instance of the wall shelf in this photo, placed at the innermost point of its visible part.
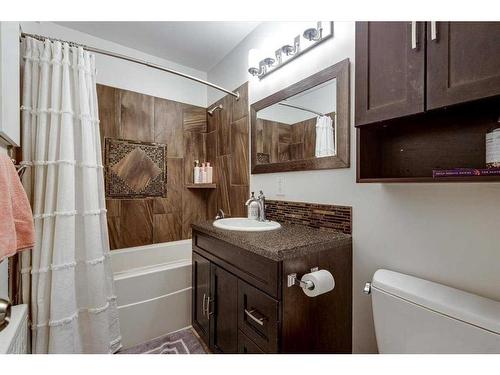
(430, 179)
(408, 149)
(201, 186)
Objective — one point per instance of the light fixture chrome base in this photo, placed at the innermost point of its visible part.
(269, 64)
(287, 49)
(268, 61)
(313, 34)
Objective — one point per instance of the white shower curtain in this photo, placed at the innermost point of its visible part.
(325, 137)
(73, 306)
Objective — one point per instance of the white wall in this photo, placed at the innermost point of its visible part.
(128, 75)
(448, 233)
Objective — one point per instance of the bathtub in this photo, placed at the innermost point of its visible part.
(153, 288)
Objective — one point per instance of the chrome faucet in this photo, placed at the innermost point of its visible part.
(262, 206)
(220, 214)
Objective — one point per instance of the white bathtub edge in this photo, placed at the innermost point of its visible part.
(155, 298)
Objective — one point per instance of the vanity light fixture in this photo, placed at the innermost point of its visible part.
(261, 64)
(313, 34)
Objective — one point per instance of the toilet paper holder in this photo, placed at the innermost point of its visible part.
(292, 280)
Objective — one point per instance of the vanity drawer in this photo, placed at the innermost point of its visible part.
(258, 316)
(255, 269)
(247, 346)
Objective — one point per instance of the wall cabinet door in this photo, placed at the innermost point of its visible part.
(390, 70)
(200, 296)
(10, 127)
(463, 62)
(223, 312)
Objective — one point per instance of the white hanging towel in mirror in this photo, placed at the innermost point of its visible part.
(325, 141)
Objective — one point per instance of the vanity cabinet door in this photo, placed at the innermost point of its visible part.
(463, 62)
(223, 311)
(200, 296)
(389, 70)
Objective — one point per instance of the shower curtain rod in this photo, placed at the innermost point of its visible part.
(131, 59)
(302, 109)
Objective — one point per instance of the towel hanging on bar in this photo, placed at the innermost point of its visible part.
(17, 232)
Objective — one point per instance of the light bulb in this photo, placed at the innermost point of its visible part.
(254, 57)
(269, 49)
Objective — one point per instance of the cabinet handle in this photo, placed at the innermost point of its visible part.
(259, 321)
(208, 313)
(203, 307)
(434, 31)
(414, 40)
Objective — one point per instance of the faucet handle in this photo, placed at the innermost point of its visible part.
(220, 214)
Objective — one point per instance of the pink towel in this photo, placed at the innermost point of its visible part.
(16, 219)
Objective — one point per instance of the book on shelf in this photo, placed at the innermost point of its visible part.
(465, 172)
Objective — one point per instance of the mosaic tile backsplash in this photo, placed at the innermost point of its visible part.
(135, 169)
(321, 216)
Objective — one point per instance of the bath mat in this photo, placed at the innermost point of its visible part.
(182, 342)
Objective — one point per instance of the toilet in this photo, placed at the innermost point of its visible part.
(413, 315)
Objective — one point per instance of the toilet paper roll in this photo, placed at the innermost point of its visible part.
(323, 282)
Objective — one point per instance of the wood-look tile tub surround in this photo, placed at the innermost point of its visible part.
(228, 144)
(314, 215)
(189, 134)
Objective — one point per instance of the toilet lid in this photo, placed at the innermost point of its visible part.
(470, 308)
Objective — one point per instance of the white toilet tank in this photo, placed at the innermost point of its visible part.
(413, 315)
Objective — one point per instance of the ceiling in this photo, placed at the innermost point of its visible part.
(199, 45)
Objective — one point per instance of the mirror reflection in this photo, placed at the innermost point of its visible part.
(299, 127)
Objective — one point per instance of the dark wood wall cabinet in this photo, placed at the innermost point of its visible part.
(241, 302)
(426, 94)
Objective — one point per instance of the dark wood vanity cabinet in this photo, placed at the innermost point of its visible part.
(405, 68)
(248, 308)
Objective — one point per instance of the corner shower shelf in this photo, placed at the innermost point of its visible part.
(201, 186)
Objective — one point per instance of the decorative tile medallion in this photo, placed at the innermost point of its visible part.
(135, 169)
(321, 216)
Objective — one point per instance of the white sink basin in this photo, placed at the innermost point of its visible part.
(246, 225)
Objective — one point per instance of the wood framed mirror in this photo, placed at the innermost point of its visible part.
(304, 126)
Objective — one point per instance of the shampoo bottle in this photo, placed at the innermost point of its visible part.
(203, 173)
(209, 173)
(197, 172)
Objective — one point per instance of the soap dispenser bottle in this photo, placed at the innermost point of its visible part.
(197, 172)
(252, 207)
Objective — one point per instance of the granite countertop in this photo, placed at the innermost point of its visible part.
(290, 241)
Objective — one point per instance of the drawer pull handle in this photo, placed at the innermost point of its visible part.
(259, 321)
